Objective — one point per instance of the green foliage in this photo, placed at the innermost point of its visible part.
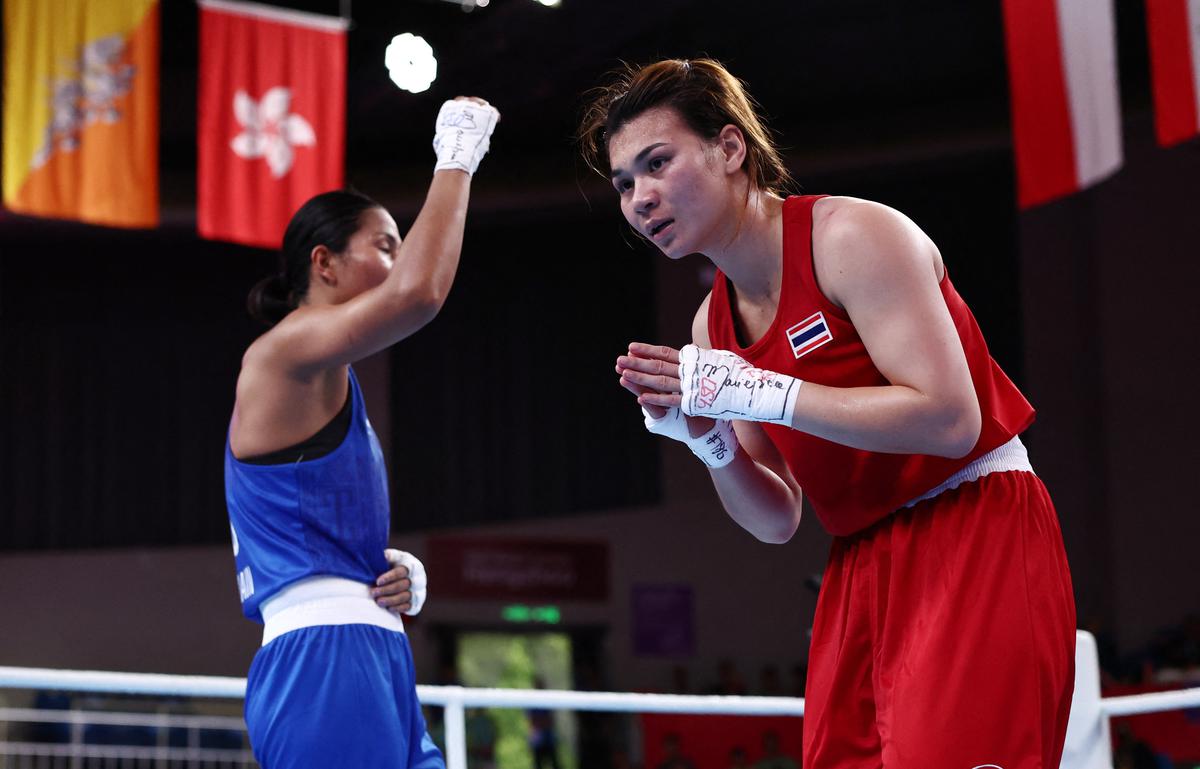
(516, 662)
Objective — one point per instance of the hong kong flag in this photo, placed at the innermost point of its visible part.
(272, 117)
(1174, 29)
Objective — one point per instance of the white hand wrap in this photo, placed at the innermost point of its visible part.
(719, 384)
(715, 448)
(463, 134)
(416, 576)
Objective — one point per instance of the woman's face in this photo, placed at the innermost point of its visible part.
(369, 253)
(676, 187)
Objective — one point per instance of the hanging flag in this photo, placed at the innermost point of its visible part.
(1174, 30)
(272, 117)
(1062, 66)
(81, 110)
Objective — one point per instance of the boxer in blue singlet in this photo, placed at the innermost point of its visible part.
(305, 482)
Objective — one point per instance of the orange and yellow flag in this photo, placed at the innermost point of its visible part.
(81, 110)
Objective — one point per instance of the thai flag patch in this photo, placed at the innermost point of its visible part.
(809, 334)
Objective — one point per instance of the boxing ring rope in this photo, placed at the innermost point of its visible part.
(448, 696)
(455, 699)
(1135, 704)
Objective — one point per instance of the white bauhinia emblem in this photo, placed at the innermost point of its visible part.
(268, 131)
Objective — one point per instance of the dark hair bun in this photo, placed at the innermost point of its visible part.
(268, 300)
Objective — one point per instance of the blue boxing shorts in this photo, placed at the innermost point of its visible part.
(337, 696)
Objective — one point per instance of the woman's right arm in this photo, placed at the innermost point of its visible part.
(756, 487)
(317, 338)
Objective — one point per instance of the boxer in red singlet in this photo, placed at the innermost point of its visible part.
(834, 358)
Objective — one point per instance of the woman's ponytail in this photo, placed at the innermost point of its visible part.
(268, 300)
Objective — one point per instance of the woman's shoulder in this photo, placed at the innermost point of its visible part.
(857, 240)
(263, 362)
(845, 225)
(271, 350)
(259, 352)
(840, 215)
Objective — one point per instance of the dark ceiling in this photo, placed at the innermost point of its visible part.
(846, 83)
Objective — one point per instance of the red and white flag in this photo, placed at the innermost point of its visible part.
(1062, 67)
(272, 117)
(1174, 30)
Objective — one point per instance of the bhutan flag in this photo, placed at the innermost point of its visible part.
(81, 110)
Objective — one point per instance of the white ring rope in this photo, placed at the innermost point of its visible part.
(158, 720)
(119, 753)
(122, 683)
(235, 688)
(1092, 748)
(1154, 702)
(555, 699)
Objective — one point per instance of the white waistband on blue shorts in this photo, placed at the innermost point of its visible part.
(323, 601)
(1004, 458)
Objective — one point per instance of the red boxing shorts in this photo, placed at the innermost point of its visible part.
(944, 636)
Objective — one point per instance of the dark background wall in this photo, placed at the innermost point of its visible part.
(1109, 292)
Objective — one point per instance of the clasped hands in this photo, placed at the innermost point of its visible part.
(706, 383)
(651, 372)
(692, 395)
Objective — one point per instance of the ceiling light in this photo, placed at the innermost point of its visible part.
(410, 62)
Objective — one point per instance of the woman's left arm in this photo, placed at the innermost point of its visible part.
(882, 269)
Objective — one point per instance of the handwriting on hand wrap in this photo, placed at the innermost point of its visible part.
(720, 449)
(747, 378)
(461, 120)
